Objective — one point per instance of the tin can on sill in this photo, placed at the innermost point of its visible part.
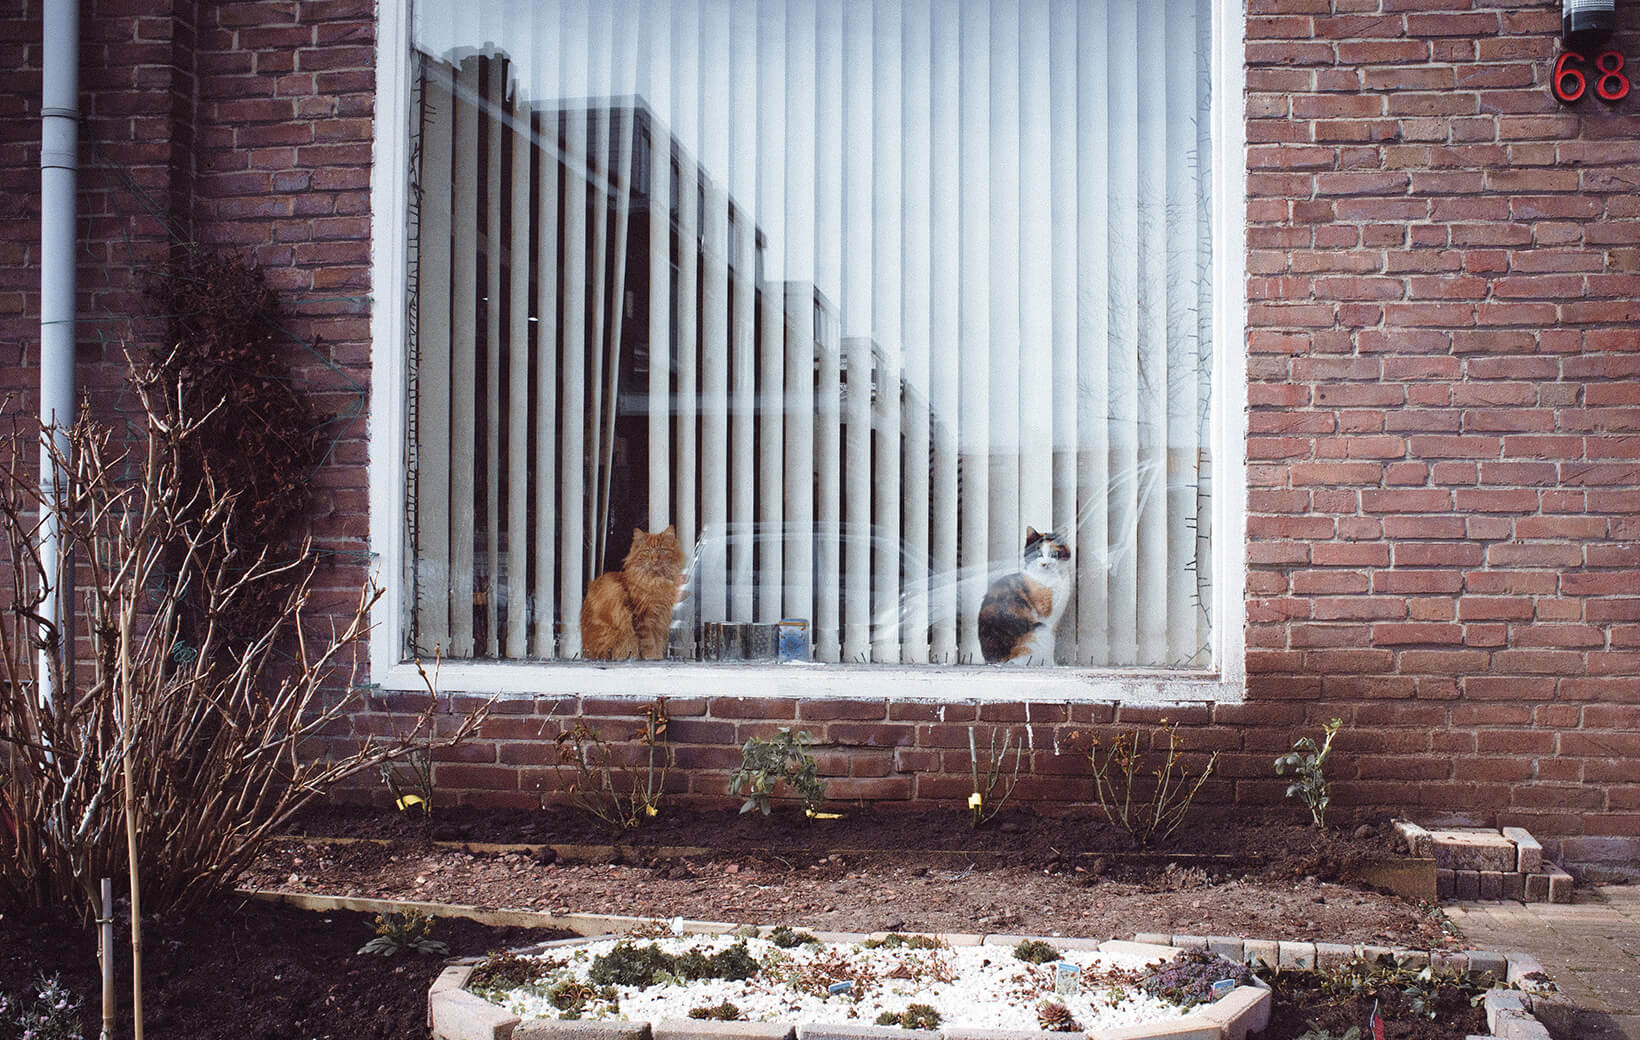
(761, 640)
(793, 642)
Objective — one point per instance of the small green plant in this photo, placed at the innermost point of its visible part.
(786, 939)
(1148, 801)
(573, 997)
(724, 1012)
(594, 786)
(503, 971)
(52, 1014)
(1317, 1032)
(983, 803)
(765, 763)
(1424, 990)
(1035, 951)
(404, 931)
(897, 941)
(1308, 764)
(915, 1016)
(629, 964)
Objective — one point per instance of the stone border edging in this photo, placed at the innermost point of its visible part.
(455, 1014)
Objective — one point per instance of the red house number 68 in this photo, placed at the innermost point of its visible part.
(1570, 81)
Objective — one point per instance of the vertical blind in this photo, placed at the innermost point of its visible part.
(848, 292)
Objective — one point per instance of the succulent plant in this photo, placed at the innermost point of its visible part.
(724, 1012)
(1035, 951)
(1056, 1017)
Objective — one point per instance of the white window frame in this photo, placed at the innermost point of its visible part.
(389, 188)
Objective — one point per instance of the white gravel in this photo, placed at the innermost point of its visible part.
(979, 986)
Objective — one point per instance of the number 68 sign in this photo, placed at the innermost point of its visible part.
(1570, 80)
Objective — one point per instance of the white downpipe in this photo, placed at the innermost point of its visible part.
(59, 165)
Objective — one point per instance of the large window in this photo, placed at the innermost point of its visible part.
(851, 295)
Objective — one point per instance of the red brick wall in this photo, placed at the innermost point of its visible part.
(244, 127)
(1444, 461)
(1444, 343)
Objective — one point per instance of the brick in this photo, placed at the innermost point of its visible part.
(1245, 1009)
(1472, 849)
(826, 1031)
(1190, 1027)
(1264, 952)
(1332, 955)
(1528, 853)
(1296, 955)
(827, 710)
(459, 1015)
(1466, 884)
(1560, 885)
(1537, 888)
(1514, 886)
(594, 1029)
(695, 1029)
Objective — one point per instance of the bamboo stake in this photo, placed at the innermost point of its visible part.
(105, 956)
(130, 818)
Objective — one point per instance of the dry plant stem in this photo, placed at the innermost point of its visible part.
(593, 787)
(221, 748)
(986, 809)
(1122, 769)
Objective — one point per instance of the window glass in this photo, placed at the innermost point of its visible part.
(918, 284)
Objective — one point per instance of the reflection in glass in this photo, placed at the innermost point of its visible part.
(851, 294)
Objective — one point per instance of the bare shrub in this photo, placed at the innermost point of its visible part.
(224, 732)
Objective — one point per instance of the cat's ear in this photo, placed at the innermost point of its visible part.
(670, 532)
(1031, 534)
(639, 536)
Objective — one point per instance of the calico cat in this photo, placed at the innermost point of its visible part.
(627, 612)
(1019, 612)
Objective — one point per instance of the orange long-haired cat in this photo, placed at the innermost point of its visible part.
(626, 613)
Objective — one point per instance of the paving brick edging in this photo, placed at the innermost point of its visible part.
(1509, 1014)
(455, 1014)
(1482, 863)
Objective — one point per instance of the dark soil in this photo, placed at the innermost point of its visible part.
(1244, 874)
(1246, 842)
(255, 970)
(247, 971)
(1299, 1005)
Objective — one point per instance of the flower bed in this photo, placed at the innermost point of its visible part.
(887, 982)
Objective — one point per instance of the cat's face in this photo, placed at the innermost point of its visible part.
(1045, 554)
(657, 552)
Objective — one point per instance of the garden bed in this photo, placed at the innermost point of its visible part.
(294, 972)
(1248, 874)
(1247, 841)
(831, 984)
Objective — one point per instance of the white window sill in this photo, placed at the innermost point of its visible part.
(647, 680)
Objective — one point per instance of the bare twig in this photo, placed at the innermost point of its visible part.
(224, 730)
